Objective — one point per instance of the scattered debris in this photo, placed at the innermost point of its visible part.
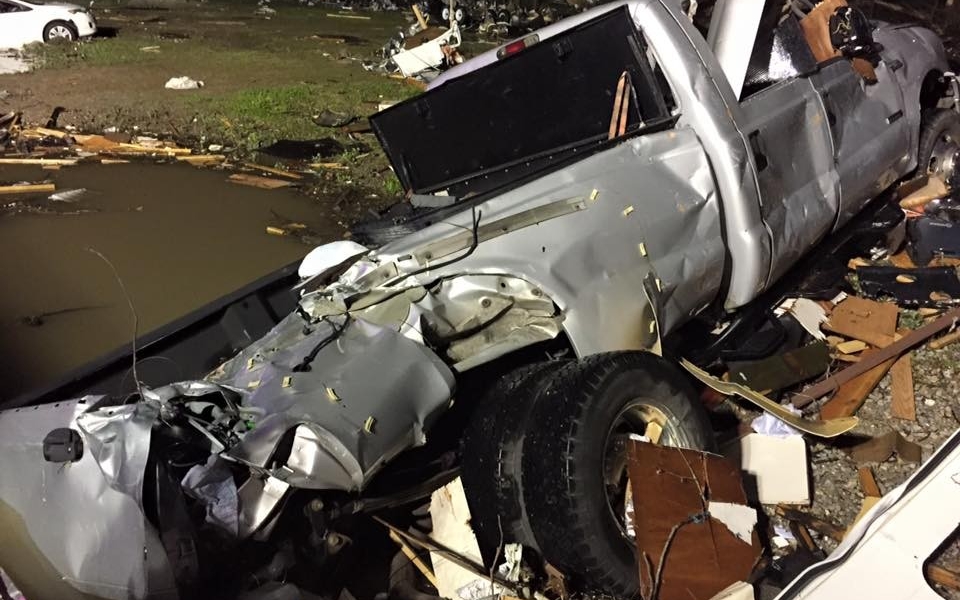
(882, 447)
(265, 183)
(707, 522)
(183, 83)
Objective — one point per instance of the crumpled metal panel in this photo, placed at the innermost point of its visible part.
(798, 183)
(708, 106)
(650, 204)
(81, 522)
(366, 396)
(920, 51)
(871, 142)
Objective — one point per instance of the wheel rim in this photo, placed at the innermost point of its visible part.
(637, 417)
(60, 32)
(944, 157)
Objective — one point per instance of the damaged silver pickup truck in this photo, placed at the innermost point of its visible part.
(620, 173)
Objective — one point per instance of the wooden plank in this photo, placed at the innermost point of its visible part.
(852, 394)
(95, 143)
(903, 403)
(202, 159)
(944, 577)
(259, 182)
(39, 161)
(148, 150)
(944, 341)
(272, 170)
(28, 188)
(866, 320)
(868, 483)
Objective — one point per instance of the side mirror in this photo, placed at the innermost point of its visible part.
(852, 34)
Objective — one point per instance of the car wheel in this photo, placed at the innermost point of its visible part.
(492, 450)
(59, 30)
(575, 449)
(939, 148)
(459, 15)
(445, 14)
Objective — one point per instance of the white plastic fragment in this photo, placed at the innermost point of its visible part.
(779, 465)
(326, 256)
(737, 591)
(807, 312)
(739, 519)
(212, 484)
(768, 424)
(451, 527)
(183, 83)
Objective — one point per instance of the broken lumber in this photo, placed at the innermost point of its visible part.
(718, 534)
(903, 402)
(27, 188)
(272, 170)
(256, 181)
(852, 394)
(202, 159)
(932, 189)
(866, 320)
(416, 560)
(915, 337)
(943, 342)
(880, 448)
(824, 528)
(944, 577)
(868, 483)
(39, 161)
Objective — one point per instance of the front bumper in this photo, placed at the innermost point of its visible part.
(85, 24)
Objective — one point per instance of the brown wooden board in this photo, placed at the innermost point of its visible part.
(852, 394)
(668, 487)
(872, 322)
(903, 403)
(257, 181)
(868, 483)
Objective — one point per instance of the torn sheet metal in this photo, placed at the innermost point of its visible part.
(884, 554)
(333, 377)
(706, 522)
(828, 429)
(100, 492)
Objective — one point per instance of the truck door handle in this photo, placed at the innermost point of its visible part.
(758, 156)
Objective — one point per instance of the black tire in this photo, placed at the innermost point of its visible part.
(492, 450)
(565, 451)
(938, 125)
(54, 28)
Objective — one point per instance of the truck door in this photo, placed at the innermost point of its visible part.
(870, 136)
(786, 127)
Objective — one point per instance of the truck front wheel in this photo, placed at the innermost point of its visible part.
(939, 149)
(575, 451)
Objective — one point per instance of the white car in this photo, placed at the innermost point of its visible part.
(25, 21)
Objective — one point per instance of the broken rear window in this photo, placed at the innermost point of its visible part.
(525, 113)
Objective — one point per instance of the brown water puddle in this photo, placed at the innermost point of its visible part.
(179, 236)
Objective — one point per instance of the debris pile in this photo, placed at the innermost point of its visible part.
(816, 364)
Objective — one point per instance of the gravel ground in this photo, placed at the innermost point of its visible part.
(835, 487)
